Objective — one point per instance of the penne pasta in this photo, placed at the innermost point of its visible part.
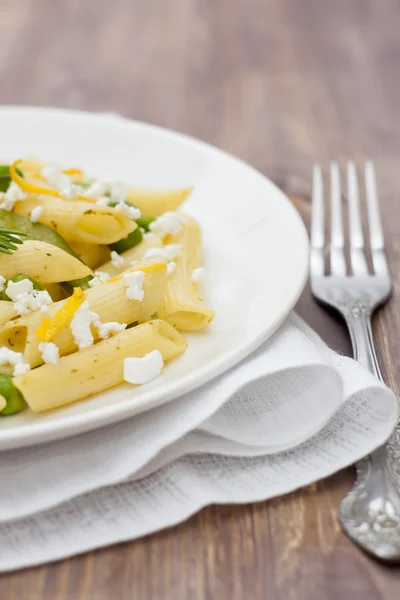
(42, 261)
(7, 311)
(156, 202)
(57, 292)
(79, 221)
(92, 255)
(136, 253)
(182, 306)
(74, 378)
(108, 300)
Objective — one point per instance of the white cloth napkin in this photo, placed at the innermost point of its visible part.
(292, 413)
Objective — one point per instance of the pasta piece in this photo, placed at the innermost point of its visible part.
(108, 300)
(97, 368)
(182, 306)
(7, 311)
(79, 221)
(156, 202)
(92, 255)
(42, 261)
(57, 292)
(135, 253)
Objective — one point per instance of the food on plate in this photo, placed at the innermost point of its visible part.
(97, 281)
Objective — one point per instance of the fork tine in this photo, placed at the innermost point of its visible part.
(374, 222)
(357, 257)
(374, 217)
(317, 261)
(338, 262)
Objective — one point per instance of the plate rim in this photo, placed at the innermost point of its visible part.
(81, 423)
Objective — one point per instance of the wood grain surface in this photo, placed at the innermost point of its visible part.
(280, 83)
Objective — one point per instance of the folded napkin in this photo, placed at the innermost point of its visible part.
(290, 414)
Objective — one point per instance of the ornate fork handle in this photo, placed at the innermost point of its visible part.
(370, 513)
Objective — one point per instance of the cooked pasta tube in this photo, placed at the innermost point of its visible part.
(57, 292)
(79, 221)
(92, 255)
(108, 300)
(182, 306)
(136, 253)
(97, 368)
(156, 202)
(42, 261)
(7, 311)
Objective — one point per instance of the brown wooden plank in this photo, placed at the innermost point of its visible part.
(280, 83)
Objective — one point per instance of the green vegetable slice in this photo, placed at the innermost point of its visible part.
(5, 178)
(131, 240)
(13, 397)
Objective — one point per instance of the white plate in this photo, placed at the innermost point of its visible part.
(256, 250)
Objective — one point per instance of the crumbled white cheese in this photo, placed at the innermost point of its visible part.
(21, 369)
(2, 283)
(99, 277)
(50, 352)
(81, 325)
(133, 282)
(104, 201)
(129, 211)
(148, 235)
(116, 259)
(155, 253)
(16, 288)
(170, 223)
(96, 190)
(11, 196)
(107, 329)
(118, 191)
(171, 268)
(15, 359)
(35, 300)
(63, 183)
(169, 252)
(35, 214)
(145, 369)
(172, 251)
(198, 277)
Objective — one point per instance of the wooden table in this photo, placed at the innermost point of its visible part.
(280, 83)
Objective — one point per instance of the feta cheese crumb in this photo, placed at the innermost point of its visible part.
(62, 182)
(116, 259)
(104, 201)
(50, 352)
(155, 253)
(170, 223)
(106, 329)
(16, 288)
(133, 282)
(21, 368)
(15, 359)
(100, 277)
(35, 214)
(169, 252)
(35, 300)
(198, 277)
(11, 196)
(129, 211)
(171, 268)
(145, 369)
(96, 190)
(118, 191)
(81, 326)
(2, 283)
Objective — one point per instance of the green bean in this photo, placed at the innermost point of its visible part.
(134, 238)
(13, 397)
(5, 178)
(144, 222)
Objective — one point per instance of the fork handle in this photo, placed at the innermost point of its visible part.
(362, 341)
(370, 513)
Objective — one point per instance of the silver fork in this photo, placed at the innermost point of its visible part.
(370, 513)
